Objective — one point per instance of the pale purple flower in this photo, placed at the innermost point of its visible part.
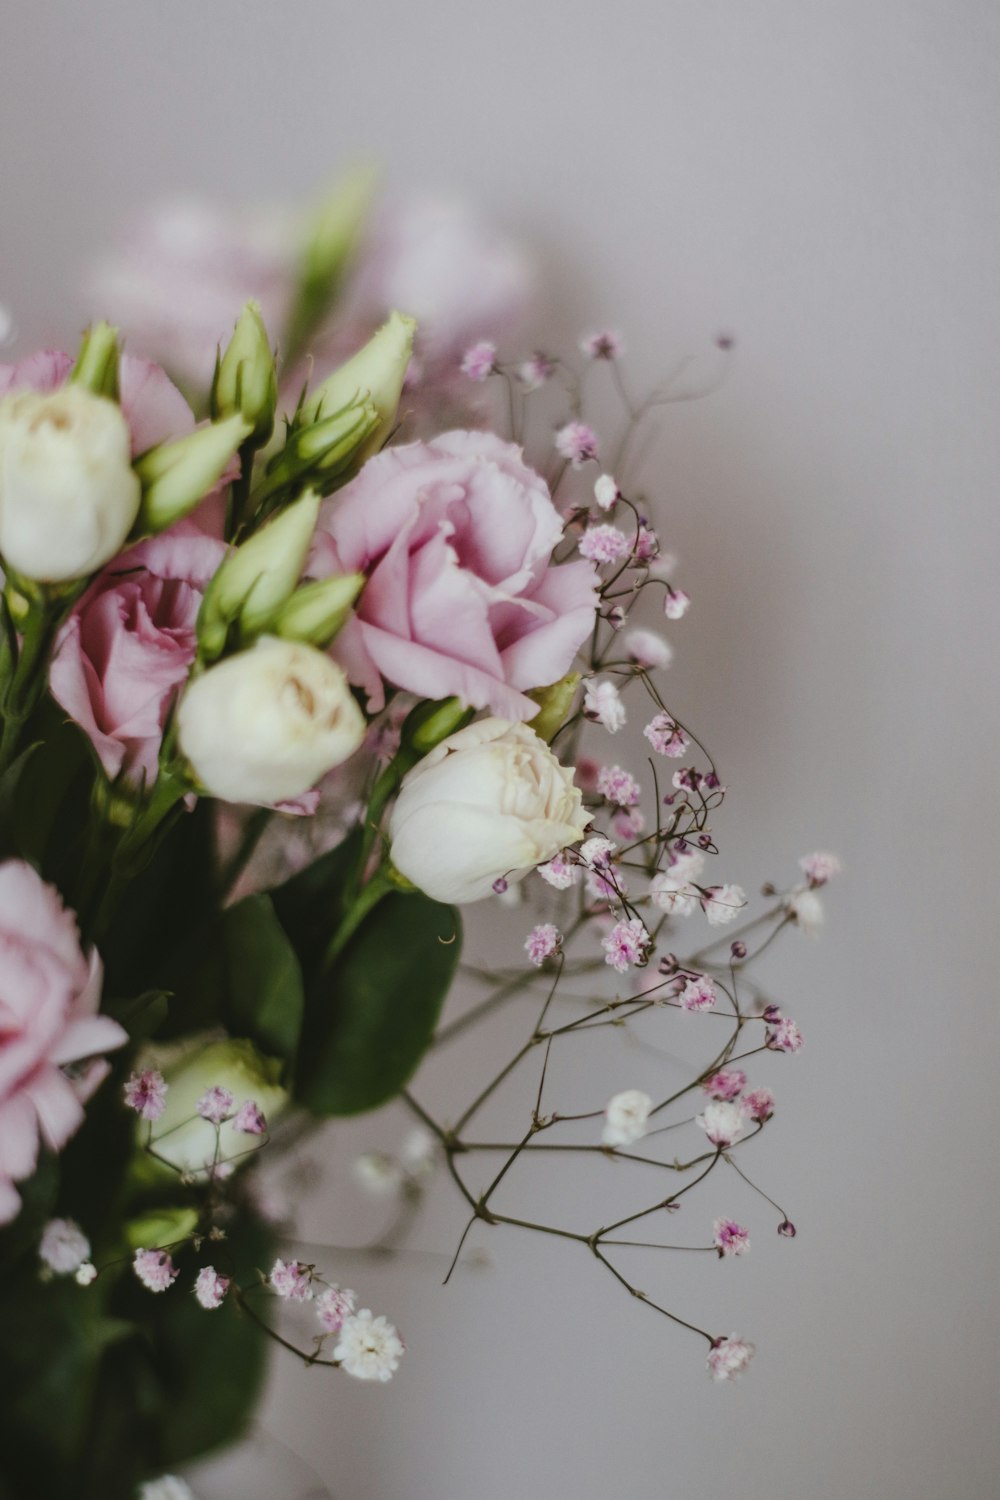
(698, 994)
(480, 360)
(536, 371)
(210, 1288)
(292, 1281)
(63, 1247)
(606, 491)
(666, 736)
(602, 703)
(628, 824)
(728, 1358)
(722, 903)
(625, 944)
(249, 1118)
(577, 442)
(787, 1229)
(730, 1238)
(625, 1117)
(559, 872)
(648, 650)
(785, 1036)
(603, 345)
(646, 544)
(604, 544)
(335, 1305)
(727, 1083)
(675, 605)
(146, 1093)
(722, 1122)
(806, 910)
(369, 1348)
(820, 867)
(215, 1105)
(758, 1105)
(618, 786)
(597, 852)
(155, 1269)
(542, 942)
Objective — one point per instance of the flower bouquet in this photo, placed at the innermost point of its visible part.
(292, 670)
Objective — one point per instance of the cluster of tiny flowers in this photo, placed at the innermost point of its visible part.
(155, 1269)
(602, 703)
(542, 942)
(210, 1288)
(672, 890)
(603, 345)
(666, 736)
(604, 544)
(216, 1105)
(146, 1093)
(820, 867)
(626, 944)
(784, 1036)
(625, 1118)
(291, 1280)
(722, 903)
(618, 786)
(676, 603)
(249, 1119)
(368, 1348)
(698, 994)
(334, 1307)
(722, 1122)
(64, 1247)
(727, 1083)
(728, 1358)
(758, 1104)
(648, 650)
(536, 371)
(576, 442)
(480, 360)
(559, 872)
(730, 1238)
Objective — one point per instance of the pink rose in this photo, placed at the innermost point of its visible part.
(456, 536)
(127, 648)
(152, 405)
(49, 996)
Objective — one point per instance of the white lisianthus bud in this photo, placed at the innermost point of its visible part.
(491, 801)
(265, 725)
(258, 578)
(68, 493)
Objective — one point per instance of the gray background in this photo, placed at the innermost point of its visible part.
(819, 177)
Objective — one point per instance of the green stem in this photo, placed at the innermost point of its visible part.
(367, 899)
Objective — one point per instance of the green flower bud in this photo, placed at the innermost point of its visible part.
(257, 579)
(554, 704)
(176, 476)
(376, 371)
(96, 368)
(317, 611)
(319, 453)
(331, 240)
(246, 383)
(431, 722)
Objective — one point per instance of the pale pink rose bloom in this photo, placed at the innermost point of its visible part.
(49, 995)
(127, 648)
(456, 536)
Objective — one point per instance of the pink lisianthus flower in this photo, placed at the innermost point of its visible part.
(456, 537)
(49, 994)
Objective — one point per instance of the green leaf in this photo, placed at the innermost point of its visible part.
(264, 978)
(371, 1020)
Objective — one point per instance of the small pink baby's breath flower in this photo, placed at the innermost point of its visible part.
(536, 371)
(787, 1229)
(625, 1118)
(698, 994)
(577, 442)
(626, 944)
(722, 1122)
(727, 1083)
(559, 872)
(606, 491)
(722, 903)
(820, 867)
(666, 736)
(806, 910)
(63, 1247)
(585, 773)
(597, 852)
(730, 1238)
(676, 603)
(604, 544)
(334, 1305)
(480, 360)
(249, 1118)
(728, 1358)
(602, 704)
(155, 1269)
(646, 544)
(291, 1280)
(758, 1105)
(627, 824)
(146, 1093)
(215, 1105)
(603, 345)
(648, 650)
(606, 886)
(542, 942)
(784, 1037)
(618, 786)
(210, 1288)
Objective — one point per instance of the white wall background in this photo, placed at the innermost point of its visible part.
(819, 176)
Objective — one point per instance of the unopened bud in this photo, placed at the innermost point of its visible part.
(96, 367)
(258, 578)
(376, 371)
(245, 383)
(316, 612)
(177, 476)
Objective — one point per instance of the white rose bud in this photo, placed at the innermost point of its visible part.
(265, 725)
(490, 801)
(68, 493)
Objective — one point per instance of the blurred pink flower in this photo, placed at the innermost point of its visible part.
(456, 536)
(49, 995)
